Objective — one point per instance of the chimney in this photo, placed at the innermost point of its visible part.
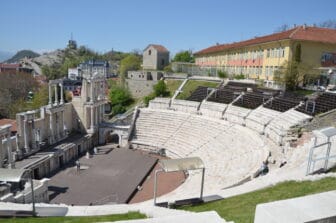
(304, 26)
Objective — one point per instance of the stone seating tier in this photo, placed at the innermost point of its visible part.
(188, 135)
(199, 94)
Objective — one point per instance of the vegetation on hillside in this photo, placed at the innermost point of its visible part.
(241, 208)
(83, 219)
(191, 86)
(159, 90)
(14, 92)
(22, 54)
(184, 56)
(130, 62)
(120, 97)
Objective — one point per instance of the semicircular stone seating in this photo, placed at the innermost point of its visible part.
(231, 153)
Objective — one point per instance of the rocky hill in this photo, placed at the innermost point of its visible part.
(21, 55)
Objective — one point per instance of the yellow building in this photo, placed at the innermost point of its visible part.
(259, 57)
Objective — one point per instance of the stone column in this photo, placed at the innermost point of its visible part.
(92, 91)
(57, 126)
(33, 134)
(25, 133)
(50, 96)
(56, 96)
(62, 123)
(97, 115)
(9, 151)
(62, 99)
(101, 112)
(92, 117)
(51, 127)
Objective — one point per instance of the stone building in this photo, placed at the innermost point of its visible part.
(155, 57)
(55, 134)
(95, 67)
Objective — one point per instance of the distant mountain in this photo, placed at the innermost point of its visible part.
(22, 54)
(5, 55)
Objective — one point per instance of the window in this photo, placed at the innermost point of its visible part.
(282, 52)
(149, 52)
(268, 53)
(162, 62)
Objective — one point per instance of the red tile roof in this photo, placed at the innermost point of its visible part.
(314, 34)
(159, 48)
(9, 65)
(6, 121)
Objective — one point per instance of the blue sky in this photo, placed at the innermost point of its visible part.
(125, 25)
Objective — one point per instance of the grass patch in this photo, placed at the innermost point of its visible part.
(241, 209)
(173, 85)
(85, 219)
(191, 86)
(303, 92)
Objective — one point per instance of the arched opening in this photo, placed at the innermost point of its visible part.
(111, 137)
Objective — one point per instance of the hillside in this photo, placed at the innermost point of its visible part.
(4, 55)
(22, 54)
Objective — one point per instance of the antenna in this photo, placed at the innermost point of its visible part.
(71, 36)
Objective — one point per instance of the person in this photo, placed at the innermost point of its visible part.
(78, 165)
(264, 168)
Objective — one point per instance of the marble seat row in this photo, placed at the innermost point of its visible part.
(220, 144)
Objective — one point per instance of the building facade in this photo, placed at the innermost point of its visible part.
(52, 136)
(95, 67)
(155, 57)
(260, 57)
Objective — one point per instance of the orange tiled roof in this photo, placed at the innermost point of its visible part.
(159, 48)
(6, 121)
(314, 34)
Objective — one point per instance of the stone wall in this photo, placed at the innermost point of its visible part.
(140, 88)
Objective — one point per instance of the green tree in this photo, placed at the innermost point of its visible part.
(119, 97)
(222, 74)
(130, 62)
(160, 89)
(184, 56)
(293, 74)
(297, 54)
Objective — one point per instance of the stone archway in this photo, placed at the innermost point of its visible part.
(114, 138)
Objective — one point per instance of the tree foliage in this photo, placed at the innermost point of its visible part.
(72, 58)
(130, 62)
(282, 28)
(295, 73)
(330, 23)
(297, 54)
(222, 74)
(15, 87)
(160, 89)
(120, 98)
(184, 56)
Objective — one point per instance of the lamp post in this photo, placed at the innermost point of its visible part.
(32, 191)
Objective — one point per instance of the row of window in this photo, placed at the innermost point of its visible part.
(257, 54)
(275, 53)
(251, 70)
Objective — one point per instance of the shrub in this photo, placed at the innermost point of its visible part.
(222, 74)
(239, 77)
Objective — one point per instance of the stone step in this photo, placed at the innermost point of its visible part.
(202, 217)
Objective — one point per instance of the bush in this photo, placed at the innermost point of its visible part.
(222, 74)
(239, 77)
(160, 89)
(118, 109)
(120, 97)
(148, 98)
